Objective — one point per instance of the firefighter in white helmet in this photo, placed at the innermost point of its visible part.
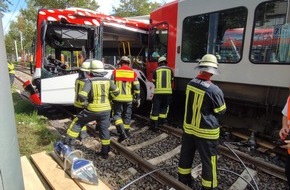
(84, 75)
(96, 93)
(162, 78)
(204, 102)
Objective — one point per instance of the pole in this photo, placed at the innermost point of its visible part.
(10, 167)
(16, 51)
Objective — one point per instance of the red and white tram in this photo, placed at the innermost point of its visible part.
(250, 39)
(65, 36)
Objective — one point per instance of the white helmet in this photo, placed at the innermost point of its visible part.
(97, 66)
(162, 59)
(125, 59)
(86, 66)
(209, 64)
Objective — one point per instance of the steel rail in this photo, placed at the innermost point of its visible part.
(261, 165)
(160, 175)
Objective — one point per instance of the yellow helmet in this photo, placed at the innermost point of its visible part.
(97, 66)
(209, 64)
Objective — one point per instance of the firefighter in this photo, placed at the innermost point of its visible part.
(11, 71)
(96, 94)
(162, 78)
(126, 80)
(284, 135)
(204, 103)
(84, 75)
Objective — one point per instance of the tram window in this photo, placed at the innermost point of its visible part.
(271, 36)
(158, 41)
(220, 33)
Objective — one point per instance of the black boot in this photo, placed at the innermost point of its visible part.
(127, 133)
(154, 125)
(105, 151)
(186, 179)
(70, 142)
(162, 121)
(123, 135)
(84, 135)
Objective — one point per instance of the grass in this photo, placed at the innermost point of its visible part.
(33, 136)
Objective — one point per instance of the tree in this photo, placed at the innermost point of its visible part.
(129, 8)
(4, 6)
(88, 4)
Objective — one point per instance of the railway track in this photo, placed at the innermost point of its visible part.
(148, 160)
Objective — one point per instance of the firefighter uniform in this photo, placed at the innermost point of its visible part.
(11, 71)
(97, 92)
(126, 80)
(162, 78)
(204, 102)
(79, 84)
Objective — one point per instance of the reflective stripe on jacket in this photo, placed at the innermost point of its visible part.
(128, 84)
(98, 91)
(79, 85)
(204, 102)
(11, 68)
(162, 79)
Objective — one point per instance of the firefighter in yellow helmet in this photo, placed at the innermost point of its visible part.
(204, 102)
(162, 78)
(96, 94)
(126, 80)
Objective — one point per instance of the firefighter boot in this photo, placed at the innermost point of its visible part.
(154, 125)
(84, 134)
(105, 151)
(122, 133)
(206, 188)
(162, 121)
(186, 179)
(127, 131)
(70, 142)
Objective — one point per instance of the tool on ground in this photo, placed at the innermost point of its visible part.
(80, 168)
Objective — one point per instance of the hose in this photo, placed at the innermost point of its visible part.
(226, 144)
(220, 169)
(127, 185)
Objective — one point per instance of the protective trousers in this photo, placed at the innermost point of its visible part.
(122, 116)
(103, 123)
(208, 154)
(160, 108)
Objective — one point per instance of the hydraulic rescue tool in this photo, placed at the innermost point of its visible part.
(80, 168)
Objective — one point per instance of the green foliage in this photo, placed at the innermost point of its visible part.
(4, 6)
(61, 4)
(129, 8)
(33, 136)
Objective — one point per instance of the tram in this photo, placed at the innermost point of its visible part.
(250, 40)
(65, 37)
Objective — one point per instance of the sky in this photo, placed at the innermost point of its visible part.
(105, 7)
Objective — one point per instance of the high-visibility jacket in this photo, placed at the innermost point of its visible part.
(162, 79)
(204, 102)
(126, 80)
(11, 68)
(79, 85)
(97, 92)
